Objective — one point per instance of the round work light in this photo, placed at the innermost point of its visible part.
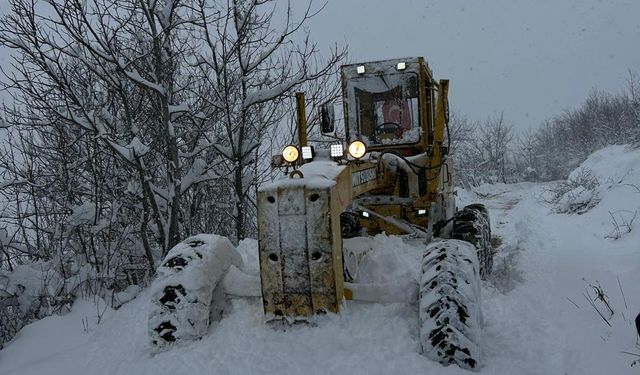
(357, 149)
(290, 154)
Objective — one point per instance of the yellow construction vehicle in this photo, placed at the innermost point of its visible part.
(393, 176)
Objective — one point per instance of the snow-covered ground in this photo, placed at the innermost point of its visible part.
(537, 318)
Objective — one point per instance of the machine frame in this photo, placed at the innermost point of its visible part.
(396, 188)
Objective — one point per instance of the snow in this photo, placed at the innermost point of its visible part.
(178, 108)
(198, 172)
(82, 214)
(321, 175)
(28, 282)
(389, 269)
(163, 12)
(134, 149)
(613, 164)
(53, 343)
(389, 260)
(536, 317)
(136, 77)
(126, 295)
(7, 183)
(268, 94)
(244, 281)
(577, 200)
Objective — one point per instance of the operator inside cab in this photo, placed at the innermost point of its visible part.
(386, 108)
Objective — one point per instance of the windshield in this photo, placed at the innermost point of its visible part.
(383, 109)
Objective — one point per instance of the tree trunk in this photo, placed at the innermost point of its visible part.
(240, 214)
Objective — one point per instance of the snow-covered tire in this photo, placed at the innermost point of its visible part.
(188, 292)
(449, 311)
(472, 224)
(350, 225)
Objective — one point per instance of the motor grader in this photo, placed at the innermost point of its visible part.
(390, 173)
(394, 176)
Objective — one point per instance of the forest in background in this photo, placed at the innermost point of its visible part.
(137, 126)
(491, 151)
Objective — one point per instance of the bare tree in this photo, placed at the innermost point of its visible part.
(632, 95)
(460, 131)
(460, 136)
(108, 69)
(483, 150)
(495, 137)
(139, 122)
(526, 157)
(181, 92)
(251, 68)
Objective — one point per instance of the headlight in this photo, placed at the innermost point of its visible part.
(290, 153)
(357, 149)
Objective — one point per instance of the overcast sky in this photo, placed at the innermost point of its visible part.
(528, 58)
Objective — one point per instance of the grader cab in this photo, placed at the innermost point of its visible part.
(390, 174)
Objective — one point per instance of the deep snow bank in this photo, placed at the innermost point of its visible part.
(597, 264)
(604, 175)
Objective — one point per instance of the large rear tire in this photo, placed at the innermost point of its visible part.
(188, 293)
(472, 224)
(449, 308)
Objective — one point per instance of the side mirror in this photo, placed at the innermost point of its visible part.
(327, 118)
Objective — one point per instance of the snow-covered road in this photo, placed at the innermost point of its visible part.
(536, 319)
(521, 332)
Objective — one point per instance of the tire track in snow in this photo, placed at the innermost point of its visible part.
(521, 335)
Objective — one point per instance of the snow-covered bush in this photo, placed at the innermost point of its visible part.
(28, 293)
(46, 282)
(578, 194)
(607, 175)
